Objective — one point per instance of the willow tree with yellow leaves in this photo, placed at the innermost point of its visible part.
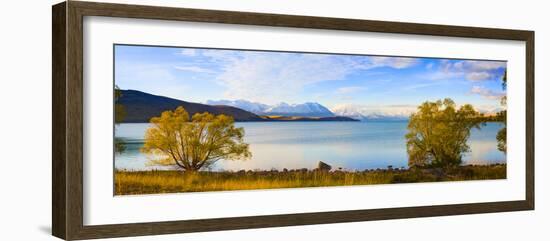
(438, 133)
(501, 135)
(120, 114)
(195, 143)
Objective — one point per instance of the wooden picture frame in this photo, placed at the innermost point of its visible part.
(67, 138)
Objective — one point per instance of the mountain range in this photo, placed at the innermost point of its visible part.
(312, 109)
(140, 107)
(391, 112)
(308, 109)
(374, 113)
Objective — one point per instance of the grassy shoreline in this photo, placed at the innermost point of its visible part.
(152, 182)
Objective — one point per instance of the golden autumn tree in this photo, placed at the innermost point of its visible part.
(438, 133)
(193, 143)
(501, 135)
(120, 114)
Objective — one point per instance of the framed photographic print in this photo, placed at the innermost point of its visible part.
(171, 120)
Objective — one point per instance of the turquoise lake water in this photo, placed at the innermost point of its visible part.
(292, 145)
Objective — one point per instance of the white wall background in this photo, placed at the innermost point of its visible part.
(25, 120)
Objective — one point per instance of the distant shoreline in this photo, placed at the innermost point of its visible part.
(282, 119)
(315, 120)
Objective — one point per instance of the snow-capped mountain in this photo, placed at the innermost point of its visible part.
(363, 112)
(392, 112)
(253, 107)
(488, 109)
(308, 109)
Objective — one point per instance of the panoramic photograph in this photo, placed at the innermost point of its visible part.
(192, 119)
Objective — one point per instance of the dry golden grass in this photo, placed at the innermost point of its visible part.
(150, 182)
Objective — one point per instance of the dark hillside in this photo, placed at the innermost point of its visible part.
(140, 107)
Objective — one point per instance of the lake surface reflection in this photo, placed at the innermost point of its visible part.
(291, 145)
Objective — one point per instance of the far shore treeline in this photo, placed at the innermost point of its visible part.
(140, 107)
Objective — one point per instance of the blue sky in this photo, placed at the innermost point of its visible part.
(198, 75)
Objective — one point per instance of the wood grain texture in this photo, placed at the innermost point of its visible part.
(75, 125)
(67, 137)
(279, 20)
(530, 120)
(59, 193)
(122, 230)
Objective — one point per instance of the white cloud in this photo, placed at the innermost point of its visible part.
(442, 75)
(476, 76)
(272, 77)
(350, 90)
(486, 93)
(222, 56)
(419, 86)
(195, 69)
(394, 62)
(484, 65)
(474, 70)
(188, 52)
